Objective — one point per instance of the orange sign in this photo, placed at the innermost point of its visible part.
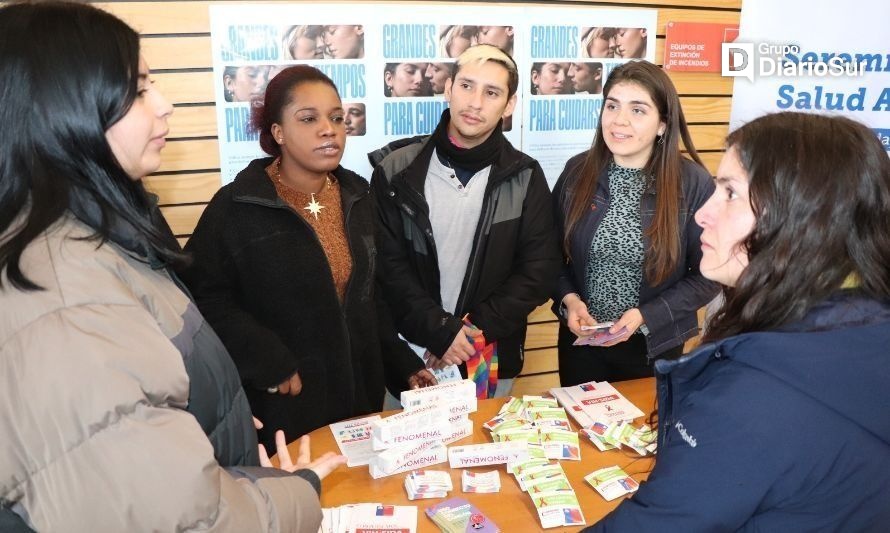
(695, 46)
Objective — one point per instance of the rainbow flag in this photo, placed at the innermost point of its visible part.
(482, 367)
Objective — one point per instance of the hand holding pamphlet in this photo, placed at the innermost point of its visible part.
(600, 337)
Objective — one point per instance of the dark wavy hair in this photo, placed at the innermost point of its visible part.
(819, 187)
(664, 165)
(63, 92)
(279, 94)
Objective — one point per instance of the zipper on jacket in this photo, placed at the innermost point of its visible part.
(343, 307)
(476, 255)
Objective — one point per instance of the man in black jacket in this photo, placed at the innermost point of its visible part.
(466, 227)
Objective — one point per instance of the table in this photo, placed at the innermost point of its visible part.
(511, 509)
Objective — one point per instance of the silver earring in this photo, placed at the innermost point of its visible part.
(661, 139)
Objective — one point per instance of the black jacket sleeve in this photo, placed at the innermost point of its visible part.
(535, 266)
(565, 280)
(417, 313)
(262, 358)
(693, 290)
(399, 360)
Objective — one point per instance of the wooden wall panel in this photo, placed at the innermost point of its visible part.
(177, 52)
(711, 160)
(182, 218)
(176, 44)
(190, 155)
(185, 87)
(194, 17)
(540, 361)
(184, 188)
(193, 121)
(542, 335)
(542, 313)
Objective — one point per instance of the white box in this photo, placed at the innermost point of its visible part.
(405, 458)
(444, 392)
(487, 454)
(459, 431)
(406, 422)
(438, 431)
(462, 406)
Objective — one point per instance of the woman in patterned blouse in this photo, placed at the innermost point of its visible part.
(625, 209)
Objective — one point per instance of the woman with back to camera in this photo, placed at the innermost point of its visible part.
(284, 265)
(122, 410)
(625, 211)
(780, 421)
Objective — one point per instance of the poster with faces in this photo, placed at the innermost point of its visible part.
(392, 69)
(570, 53)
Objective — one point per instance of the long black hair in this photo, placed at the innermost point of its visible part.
(62, 94)
(819, 187)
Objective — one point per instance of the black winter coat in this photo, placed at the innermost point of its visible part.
(262, 280)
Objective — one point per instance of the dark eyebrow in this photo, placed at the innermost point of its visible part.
(632, 102)
(498, 88)
(340, 108)
(723, 180)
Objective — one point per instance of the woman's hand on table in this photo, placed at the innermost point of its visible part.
(322, 466)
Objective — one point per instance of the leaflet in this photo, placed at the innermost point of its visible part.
(354, 439)
(571, 406)
(457, 515)
(558, 508)
(421, 484)
(369, 518)
(482, 482)
(612, 482)
(560, 444)
(602, 402)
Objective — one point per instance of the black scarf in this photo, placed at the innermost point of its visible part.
(470, 159)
